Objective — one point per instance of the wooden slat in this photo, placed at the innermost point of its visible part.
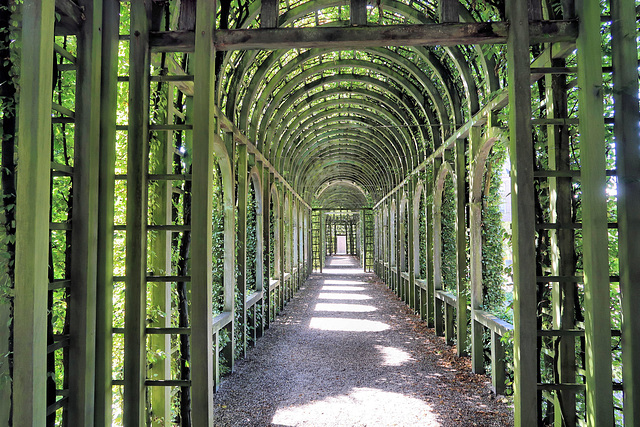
(451, 34)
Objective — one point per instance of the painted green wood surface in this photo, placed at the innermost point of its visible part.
(625, 78)
(104, 303)
(599, 393)
(32, 216)
(202, 370)
(522, 202)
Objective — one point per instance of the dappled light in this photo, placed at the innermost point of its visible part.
(347, 325)
(393, 356)
(353, 308)
(344, 296)
(342, 288)
(361, 406)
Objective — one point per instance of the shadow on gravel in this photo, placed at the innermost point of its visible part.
(347, 352)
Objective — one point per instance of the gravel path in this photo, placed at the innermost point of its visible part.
(346, 352)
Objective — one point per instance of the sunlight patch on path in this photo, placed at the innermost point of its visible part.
(393, 356)
(343, 288)
(351, 308)
(344, 296)
(347, 325)
(342, 282)
(361, 407)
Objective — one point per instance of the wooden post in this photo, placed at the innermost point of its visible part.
(599, 394)
(269, 14)
(84, 249)
(461, 246)
(625, 80)
(136, 240)
(522, 201)
(104, 296)
(204, 127)
(498, 374)
(358, 12)
(241, 240)
(430, 300)
(475, 241)
(32, 222)
(562, 244)
(448, 10)
(266, 242)
(411, 237)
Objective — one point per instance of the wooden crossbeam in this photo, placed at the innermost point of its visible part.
(447, 34)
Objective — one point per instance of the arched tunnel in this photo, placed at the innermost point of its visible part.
(175, 171)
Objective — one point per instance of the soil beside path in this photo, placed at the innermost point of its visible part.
(346, 352)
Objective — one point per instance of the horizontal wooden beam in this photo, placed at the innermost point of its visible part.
(446, 34)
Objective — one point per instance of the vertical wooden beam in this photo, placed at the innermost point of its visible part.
(82, 305)
(625, 80)
(430, 300)
(522, 201)
(562, 244)
(498, 374)
(266, 239)
(32, 221)
(136, 240)
(160, 260)
(204, 132)
(106, 196)
(461, 247)
(241, 242)
(475, 241)
(269, 14)
(358, 12)
(411, 237)
(599, 394)
(448, 10)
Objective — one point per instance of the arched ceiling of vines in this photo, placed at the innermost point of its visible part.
(345, 127)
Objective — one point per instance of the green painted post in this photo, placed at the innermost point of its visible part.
(461, 246)
(204, 144)
(266, 242)
(562, 244)
(625, 80)
(410, 253)
(84, 249)
(106, 196)
(136, 240)
(241, 241)
(599, 392)
(160, 264)
(430, 294)
(32, 220)
(475, 241)
(522, 201)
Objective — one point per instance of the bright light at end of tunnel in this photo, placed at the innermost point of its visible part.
(361, 406)
(393, 356)
(352, 308)
(347, 325)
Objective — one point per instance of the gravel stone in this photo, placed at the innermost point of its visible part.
(346, 351)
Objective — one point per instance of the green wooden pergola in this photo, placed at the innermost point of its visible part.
(280, 118)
